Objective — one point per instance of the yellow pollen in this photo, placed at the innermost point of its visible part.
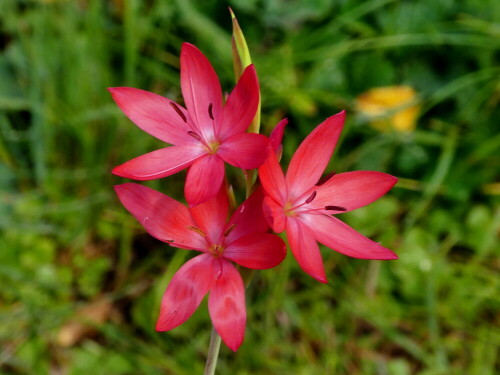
(288, 209)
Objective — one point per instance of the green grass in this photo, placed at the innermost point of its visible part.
(66, 241)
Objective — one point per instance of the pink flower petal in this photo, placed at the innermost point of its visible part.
(204, 179)
(312, 156)
(244, 150)
(241, 105)
(160, 163)
(274, 214)
(340, 237)
(153, 113)
(163, 217)
(305, 249)
(247, 218)
(352, 190)
(226, 304)
(201, 89)
(276, 136)
(273, 180)
(257, 251)
(186, 291)
(211, 216)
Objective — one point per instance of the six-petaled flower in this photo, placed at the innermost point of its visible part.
(242, 239)
(204, 136)
(302, 203)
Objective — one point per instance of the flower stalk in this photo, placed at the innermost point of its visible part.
(213, 353)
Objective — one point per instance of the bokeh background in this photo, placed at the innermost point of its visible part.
(80, 281)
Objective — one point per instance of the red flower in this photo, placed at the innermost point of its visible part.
(302, 202)
(204, 136)
(243, 240)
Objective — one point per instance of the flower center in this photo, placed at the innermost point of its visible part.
(212, 147)
(216, 250)
(289, 209)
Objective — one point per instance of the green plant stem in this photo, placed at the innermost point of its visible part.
(213, 353)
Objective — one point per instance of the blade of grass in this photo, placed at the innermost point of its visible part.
(443, 166)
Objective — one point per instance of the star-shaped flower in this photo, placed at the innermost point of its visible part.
(204, 136)
(302, 203)
(243, 240)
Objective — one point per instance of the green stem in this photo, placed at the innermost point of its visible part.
(213, 353)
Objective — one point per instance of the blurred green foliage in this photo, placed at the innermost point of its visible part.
(66, 241)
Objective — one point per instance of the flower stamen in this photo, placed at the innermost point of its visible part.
(178, 110)
(210, 113)
(229, 230)
(307, 201)
(216, 250)
(324, 179)
(197, 230)
(194, 135)
(335, 208)
(311, 197)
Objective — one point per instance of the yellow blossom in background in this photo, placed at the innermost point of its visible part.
(391, 107)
